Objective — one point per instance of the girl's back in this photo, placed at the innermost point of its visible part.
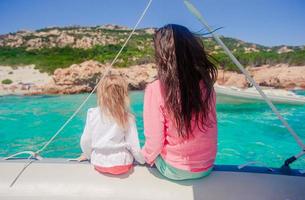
(110, 144)
(110, 138)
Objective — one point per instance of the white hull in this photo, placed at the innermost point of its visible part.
(275, 95)
(62, 180)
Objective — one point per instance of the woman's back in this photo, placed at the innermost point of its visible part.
(196, 153)
(179, 109)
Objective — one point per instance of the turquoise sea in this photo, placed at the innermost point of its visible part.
(247, 131)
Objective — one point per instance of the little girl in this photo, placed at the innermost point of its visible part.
(110, 138)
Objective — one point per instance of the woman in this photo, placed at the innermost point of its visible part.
(180, 122)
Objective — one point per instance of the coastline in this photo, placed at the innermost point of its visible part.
(81, 78)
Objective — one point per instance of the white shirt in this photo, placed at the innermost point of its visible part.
(106, 144)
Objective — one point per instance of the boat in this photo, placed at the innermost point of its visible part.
(62, 179)
(280, 96)
(38, 178)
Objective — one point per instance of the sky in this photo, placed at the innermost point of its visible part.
(266, 22)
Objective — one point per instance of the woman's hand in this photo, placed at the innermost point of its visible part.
(82, 158)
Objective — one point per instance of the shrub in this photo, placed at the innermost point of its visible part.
(7, 81)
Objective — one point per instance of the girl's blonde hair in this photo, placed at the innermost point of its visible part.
(113, 100)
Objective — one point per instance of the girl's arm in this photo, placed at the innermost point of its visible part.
(85, 141)
(133, 142)
(153, 126)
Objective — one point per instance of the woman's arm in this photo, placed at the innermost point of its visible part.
(153, 125)
(133, 141)
(85, 141)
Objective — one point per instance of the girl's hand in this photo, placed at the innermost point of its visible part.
(82, 158)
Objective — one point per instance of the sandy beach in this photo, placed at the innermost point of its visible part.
(25, 79)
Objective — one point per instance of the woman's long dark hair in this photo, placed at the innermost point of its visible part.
(182, 64)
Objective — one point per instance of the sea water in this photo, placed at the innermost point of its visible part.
(247, 131)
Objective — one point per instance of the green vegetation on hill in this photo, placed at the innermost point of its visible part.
(7, 81)
(260, 58)
(44, 49)
(49, 59)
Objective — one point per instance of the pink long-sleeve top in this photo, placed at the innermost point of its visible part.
(194, 154)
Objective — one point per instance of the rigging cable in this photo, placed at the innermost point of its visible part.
(33, 156)
(199, 16)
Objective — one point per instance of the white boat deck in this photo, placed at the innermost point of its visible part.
(62, 180)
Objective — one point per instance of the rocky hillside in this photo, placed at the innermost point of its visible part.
(59, 47)
(75, 37)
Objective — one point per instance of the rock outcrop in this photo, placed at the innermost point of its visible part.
(139, 76)
(83, 77)
(229, 78)
(65, 40)
(284, 49)
(278, 76)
